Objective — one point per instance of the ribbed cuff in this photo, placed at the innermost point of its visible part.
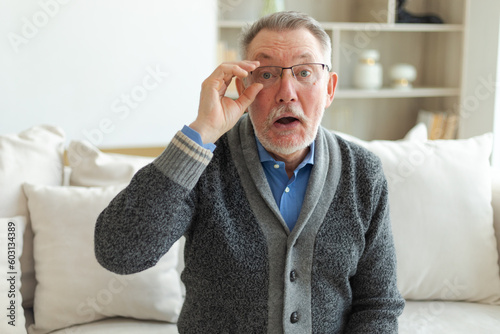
(196, 137)
(183, 161)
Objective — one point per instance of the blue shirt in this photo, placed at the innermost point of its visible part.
(288, 193)
(195, 136)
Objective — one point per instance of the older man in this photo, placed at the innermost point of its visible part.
(287, 225)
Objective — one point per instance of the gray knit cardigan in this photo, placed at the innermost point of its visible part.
(245, 271)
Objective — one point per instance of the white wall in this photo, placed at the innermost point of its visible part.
(115, 72)
(480, 106)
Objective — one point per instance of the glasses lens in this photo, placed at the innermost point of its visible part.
(308, 72)
(266, 75)
(305, 73)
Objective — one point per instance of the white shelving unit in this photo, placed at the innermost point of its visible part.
(386, 93)
(436, 50)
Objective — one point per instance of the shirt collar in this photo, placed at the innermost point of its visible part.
(265, 156)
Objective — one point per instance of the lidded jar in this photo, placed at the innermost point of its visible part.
(402, 76)
(368, 72)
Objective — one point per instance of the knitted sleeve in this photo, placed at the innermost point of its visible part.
(146, 218)
(377, 302)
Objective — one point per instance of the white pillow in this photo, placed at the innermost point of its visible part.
(11, 241)
(72, 287)
(442, 219)
(91, 167)
(35, 156)
(417, 133)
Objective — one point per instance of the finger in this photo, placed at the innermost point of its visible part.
(223, 75)
(236, 69)
(248, 95)
(221, 78)
(249, 65)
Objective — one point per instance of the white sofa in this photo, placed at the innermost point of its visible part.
(442, 197)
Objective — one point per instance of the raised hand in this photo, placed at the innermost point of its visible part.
(217, 113)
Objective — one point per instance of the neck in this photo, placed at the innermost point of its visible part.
(292, 161)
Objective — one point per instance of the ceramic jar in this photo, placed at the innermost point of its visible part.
(402, 76)
(368, 72)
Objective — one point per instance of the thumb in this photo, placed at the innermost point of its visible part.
(248, 95)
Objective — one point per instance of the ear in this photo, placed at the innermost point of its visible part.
(240, 86)
(330, 89)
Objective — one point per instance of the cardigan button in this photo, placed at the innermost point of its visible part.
(293, 276)
(294, 318)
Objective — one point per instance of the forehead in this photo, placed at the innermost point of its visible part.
(287, 46)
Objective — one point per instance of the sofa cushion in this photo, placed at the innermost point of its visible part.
(72, 287)
(91, 167)
(439, 317)
(442, 218)
(122, 326)
(11, 241)
(34, 155)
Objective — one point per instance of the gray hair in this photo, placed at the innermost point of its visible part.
(283, 21)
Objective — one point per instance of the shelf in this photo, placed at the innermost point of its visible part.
(396, 27)
(385, 93)
(396, 93)
(367, 26)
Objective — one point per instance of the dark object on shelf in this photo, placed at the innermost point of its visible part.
(405, 17)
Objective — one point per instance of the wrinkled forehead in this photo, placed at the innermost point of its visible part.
(285, 46)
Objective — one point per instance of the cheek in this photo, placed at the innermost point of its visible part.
(264, 98)
(312, 99)
(261, 105)
(318, 94)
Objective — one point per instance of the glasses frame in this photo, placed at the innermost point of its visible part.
(291, 68)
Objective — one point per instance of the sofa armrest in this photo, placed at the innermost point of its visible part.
(495, 201)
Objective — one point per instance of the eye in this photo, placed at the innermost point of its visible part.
(304, 73)
(266, 75)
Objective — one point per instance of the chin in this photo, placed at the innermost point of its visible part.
(285, 143)
(285, 146)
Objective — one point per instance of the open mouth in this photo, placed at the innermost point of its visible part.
(287, 120)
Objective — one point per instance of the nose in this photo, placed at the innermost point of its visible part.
(286, 91)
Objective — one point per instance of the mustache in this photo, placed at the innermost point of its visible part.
(290, 110)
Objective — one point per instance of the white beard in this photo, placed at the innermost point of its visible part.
(285, 147)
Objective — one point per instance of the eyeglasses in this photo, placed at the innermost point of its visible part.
(303, 73)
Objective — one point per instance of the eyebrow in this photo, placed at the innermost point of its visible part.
(262, 55)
